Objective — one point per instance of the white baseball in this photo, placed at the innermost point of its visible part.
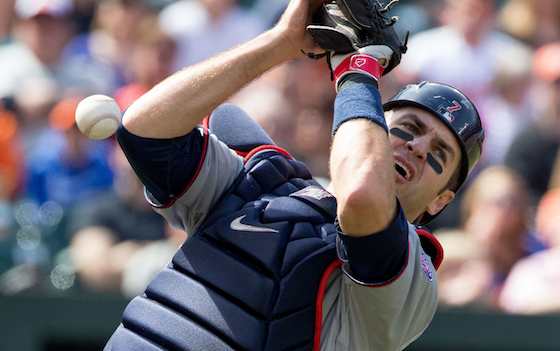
(98, 116)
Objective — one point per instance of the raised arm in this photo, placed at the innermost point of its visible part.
(361, 160)
(363, 177)
(175, 106)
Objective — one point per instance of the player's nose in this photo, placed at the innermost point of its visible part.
(419, 146)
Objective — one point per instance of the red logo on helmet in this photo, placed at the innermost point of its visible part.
(455, 107)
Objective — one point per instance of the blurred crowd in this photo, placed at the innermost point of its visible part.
(72, 212)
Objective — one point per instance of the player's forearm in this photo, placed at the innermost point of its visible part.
(361, 159)
(363, 177)
(176, 105)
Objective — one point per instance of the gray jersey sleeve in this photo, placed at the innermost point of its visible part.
(220, 168)
(386, 318)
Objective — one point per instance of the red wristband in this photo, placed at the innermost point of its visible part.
(359, 63)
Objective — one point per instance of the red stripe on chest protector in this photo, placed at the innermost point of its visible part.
(267, 147)
(319, 302)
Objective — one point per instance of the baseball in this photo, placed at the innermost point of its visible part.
(98, 116)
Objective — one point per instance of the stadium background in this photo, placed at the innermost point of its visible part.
(77, 239)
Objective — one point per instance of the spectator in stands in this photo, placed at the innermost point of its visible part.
(534, 21)
(31, 64)
(311, 96)
(509, 109)
(265, 100)
(534, 150)
(6, 20)
(534, 282)
(103, 54)
(310, 139)
(496, 216)
(66, 167)
(205, 27)
(150, 61)
(41, 33)
(29, 233)
(269, 10)
(45, 28)
(11, 167)
(107, 230)
(463, 52)
(26, 60)
(10, 182)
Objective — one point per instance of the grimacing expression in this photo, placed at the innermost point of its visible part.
(426, 155)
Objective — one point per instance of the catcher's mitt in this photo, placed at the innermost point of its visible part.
(344, 26)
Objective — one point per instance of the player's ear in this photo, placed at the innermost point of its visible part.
(440, 202)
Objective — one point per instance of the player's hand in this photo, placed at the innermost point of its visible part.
(292, 24)
(345, 26)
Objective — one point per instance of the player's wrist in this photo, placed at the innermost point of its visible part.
(370, 61)
(288, 42)
(355, 63)
(358, 97)
(277, 46)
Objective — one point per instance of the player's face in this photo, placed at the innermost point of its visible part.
(426, 155)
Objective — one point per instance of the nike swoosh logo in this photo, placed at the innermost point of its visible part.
(238, 226)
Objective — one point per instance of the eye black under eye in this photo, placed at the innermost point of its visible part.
(399, 133)
(436, 166)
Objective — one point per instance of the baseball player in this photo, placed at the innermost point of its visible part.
(274, 261)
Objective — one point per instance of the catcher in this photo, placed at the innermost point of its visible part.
(274, 261)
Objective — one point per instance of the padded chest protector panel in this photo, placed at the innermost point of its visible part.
(249, 274)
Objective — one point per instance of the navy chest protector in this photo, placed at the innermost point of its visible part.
(249, 277)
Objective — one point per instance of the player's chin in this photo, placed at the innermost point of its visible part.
(402, 189)
(406, 191)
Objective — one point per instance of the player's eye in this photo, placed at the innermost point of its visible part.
(440, 154)
(411, 127)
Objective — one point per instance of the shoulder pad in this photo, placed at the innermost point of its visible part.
(237, 129)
